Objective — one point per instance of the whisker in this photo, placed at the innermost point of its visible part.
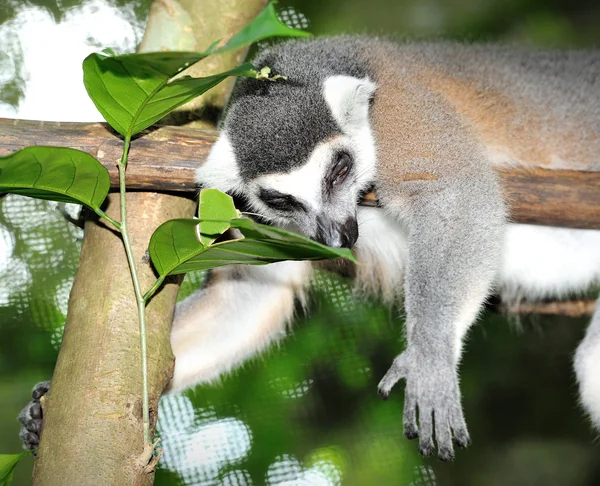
(267, 218)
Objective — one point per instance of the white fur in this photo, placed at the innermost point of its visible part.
(301, 182)
(540, 261)
(537, 261)
(587, 369)
(233, 318)
(348, 98)
(382, 252)
(220, 169)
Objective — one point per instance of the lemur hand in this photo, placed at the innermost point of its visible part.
(31, 417)
(432, 388)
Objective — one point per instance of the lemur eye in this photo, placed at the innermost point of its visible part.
(341, 168)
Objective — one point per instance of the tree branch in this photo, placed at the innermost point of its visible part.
(165, 159)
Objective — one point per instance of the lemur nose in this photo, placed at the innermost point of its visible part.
(337, 235)
(349, 232)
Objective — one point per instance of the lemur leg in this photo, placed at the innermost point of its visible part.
(587, 369)
(454, 249)
(237, 314)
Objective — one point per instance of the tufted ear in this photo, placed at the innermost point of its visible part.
(221, 169)
(348, 99)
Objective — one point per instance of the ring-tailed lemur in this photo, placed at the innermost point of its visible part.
(425, 124)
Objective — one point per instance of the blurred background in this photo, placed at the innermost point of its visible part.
(307, 413)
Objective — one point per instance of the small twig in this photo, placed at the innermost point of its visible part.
(570, 308)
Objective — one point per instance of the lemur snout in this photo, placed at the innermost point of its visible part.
(336, 235)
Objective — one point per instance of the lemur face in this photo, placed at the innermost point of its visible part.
(300, 157)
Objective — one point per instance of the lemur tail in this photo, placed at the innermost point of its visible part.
(587, 369)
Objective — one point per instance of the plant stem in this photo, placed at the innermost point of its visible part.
(153, 289)
(102, 214)
(141, 304)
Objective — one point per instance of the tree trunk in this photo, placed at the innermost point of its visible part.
(93, 414)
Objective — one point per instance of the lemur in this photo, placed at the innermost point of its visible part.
(426, 125)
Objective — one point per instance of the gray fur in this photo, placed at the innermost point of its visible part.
(456, 222)
(276, 111)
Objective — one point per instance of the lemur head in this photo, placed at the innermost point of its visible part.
(300, 151)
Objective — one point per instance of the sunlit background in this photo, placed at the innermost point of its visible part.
(307, 413)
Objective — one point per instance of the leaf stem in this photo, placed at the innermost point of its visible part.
(141, 304)
(153, 289)
(102, 214)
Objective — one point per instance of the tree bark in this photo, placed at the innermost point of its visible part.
(93, 414)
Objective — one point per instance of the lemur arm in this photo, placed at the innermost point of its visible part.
(239, 311)
(456, 221)
(451, 265)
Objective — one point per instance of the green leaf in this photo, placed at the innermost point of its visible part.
(266, 24)
(216, 210)
(133, 91)
(180, 92)
(175, 247)
(55, 173)
(8, 463)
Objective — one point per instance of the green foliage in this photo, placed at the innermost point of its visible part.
(133, 91)
(265, 25)
(55, 173)
(183, 245)
(217, 211)
(8, 463)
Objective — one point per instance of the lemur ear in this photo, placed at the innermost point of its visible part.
(221, 169)
(348, 99)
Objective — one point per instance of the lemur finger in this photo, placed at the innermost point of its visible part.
(396, 372)
(443, 435)
(34, 426)
(40, 390)
(411, 431)
(29, 439)
(458, 423)
(426, 446)
(31, 417)
(35, 410)
(31, 425)
(459, 427)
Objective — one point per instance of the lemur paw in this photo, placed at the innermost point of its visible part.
(432, 389)
(31, 417)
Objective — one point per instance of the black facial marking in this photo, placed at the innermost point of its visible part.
(280, 201)
(275, 126)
